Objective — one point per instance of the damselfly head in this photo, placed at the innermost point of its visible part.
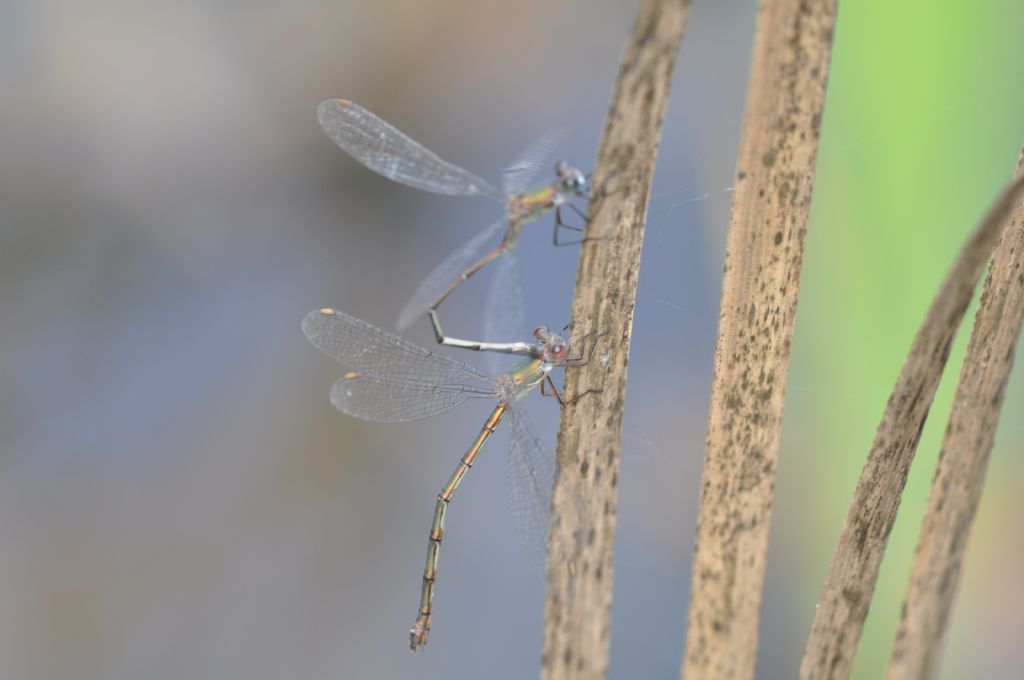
(572, 180)
(553, 346)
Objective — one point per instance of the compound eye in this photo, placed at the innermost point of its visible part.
(558, 351)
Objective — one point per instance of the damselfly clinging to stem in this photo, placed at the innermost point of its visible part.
(392, 380)
(390, 152)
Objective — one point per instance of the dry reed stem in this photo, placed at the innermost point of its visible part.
(850, 580)
(578, 607)
(963, 459)
(764, 251)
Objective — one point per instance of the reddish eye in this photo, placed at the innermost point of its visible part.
(558, 351)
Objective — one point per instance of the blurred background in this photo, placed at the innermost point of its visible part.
(179, 499)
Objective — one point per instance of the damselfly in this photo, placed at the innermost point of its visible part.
(388, 151)
(392, 380)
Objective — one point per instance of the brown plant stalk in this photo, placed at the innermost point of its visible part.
(764, 251)
(853, 572)
(963, 459)
(578, 606)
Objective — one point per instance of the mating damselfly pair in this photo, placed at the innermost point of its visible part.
(392, 380)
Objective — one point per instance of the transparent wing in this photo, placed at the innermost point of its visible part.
(385, 400)
(503, 316)
(516, 177)
(391, 379)
(447, 272)
(531, 484)
(531, 475)
(384, 149)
